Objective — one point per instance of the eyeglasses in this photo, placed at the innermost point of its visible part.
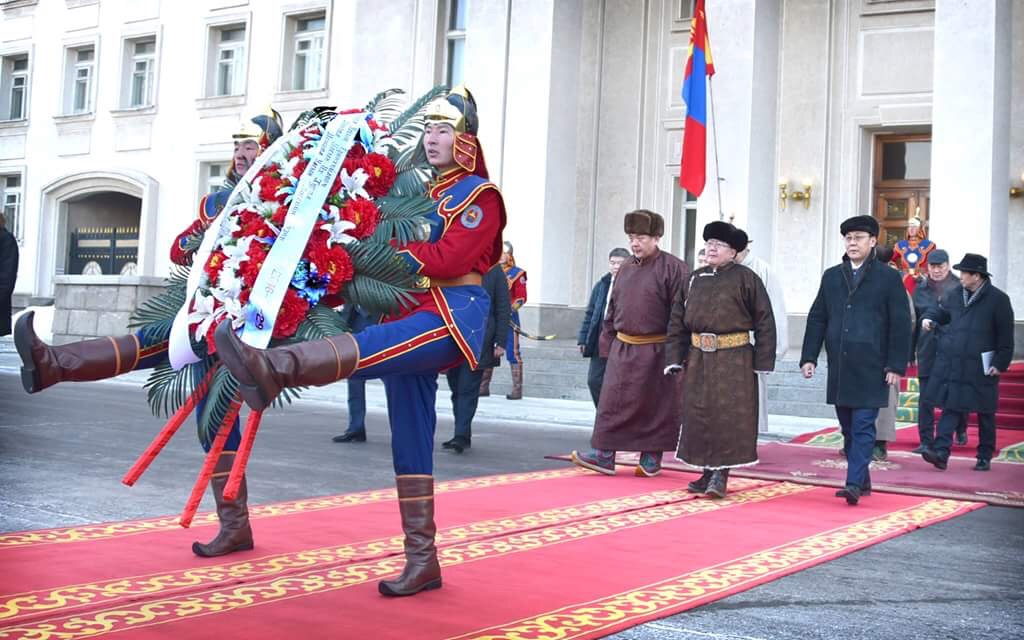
(856, 237)
(716, 244)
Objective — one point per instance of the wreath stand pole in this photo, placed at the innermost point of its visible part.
(208, 465)
(252, 423)
(172, 426)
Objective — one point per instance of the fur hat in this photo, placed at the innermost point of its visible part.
(645, 223)
(727, 233)
(859, 223)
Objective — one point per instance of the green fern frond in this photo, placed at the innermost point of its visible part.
(402, 218)
(377, 296)
(222, 391)
(386, 105)
(321, 322)
(167, 389)
(408, 118)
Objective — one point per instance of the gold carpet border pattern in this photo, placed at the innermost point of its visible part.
(134, 527)
(94, 594)
(692, 589)
(317, 581)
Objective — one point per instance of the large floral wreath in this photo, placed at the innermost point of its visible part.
(376, 201)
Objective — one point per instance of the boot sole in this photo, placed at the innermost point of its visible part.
(23, 343)
(640, 472)
(388, 591)
(227, 350)
(197, 549)
(714, 495)
(593, 467)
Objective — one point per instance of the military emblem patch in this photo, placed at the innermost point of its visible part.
(472, 216)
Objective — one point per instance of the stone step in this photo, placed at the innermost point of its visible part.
(804, 409)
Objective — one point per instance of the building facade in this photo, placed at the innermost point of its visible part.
(116, 115)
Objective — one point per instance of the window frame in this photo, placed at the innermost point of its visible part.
(69, 88)
(129, 60)
(216, 46)
(290, 50)
(16, 223)
(451, 37)
(8, 77)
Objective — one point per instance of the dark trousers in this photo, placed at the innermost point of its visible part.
(948, 424)
(465, 386)
(356, 404)
(926, 416)
(595, 377)
(859, 437)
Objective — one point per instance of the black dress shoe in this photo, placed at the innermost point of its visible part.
(933, 457)
(350, 436)
(921, 448)
(961, 437)
(457, 444)
(851, 492)
(983, 465)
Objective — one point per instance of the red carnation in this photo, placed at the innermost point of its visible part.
(381, 172)
(214, 264)
(250, 268)
(356, 152)
(252, 224)
(279, 215)
(362, 213)
(269, 186)
(293, 310)
(300, 166)
(334, 262)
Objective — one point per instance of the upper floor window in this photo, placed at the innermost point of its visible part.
(10, 195)
(226, 66)
(139, 81)
(306, 37)
(455, 41)
(212, 175)
(14, 87)
(80, 63)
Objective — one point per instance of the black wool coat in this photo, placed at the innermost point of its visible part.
(957, 380)
(8, 275)
(865, 327)
(499, 318)
(926, 298)
(593, 318)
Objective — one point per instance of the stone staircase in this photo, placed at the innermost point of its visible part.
(555, 369)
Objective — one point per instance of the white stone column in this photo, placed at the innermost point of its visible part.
(745, 48)
(971, 130)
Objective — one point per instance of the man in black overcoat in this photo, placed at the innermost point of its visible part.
(593, 319)
(862, 317)
(8, 274)
(975, 346)
(464, 381)
(929, 291)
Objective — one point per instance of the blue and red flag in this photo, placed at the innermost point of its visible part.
(698, 68)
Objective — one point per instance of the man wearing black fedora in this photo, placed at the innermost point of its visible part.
(862, 317)
(974, 347)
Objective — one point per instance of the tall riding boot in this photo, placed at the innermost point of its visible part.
(263, 373)
(235, 533)
(422, 571)
(485, 383)
(517, 382)
(719, 484)
(43, 365)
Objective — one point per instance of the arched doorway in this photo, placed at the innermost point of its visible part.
(106, 210)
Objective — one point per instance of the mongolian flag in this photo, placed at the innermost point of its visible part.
(698, 67)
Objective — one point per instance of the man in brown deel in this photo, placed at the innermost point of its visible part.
(640, 408)
(709, 336)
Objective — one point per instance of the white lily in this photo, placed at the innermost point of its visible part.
(232, 307)
(205, 314)
(337, 230)
(236, 254)
(354, 183)
(229, 286)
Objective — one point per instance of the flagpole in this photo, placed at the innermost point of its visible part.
(714, 135)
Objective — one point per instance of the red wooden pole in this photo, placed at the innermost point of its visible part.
(208, 465)
(242, 458)
(172, 426)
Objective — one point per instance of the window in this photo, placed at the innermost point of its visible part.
(14, 89)
(455, 42)
(212, 176)
(10, 192)
(226, 69)
(307, 36)
(139, 82)
(684, 223)
(80, 65)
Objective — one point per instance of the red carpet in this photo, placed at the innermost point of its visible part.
(1009, 442)
(524, 556)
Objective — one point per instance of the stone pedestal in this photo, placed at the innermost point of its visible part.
(88, 307)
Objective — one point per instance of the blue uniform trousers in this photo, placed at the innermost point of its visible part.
(859, 435)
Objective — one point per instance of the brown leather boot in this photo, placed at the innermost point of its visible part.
(235, 533)
(422, 571)
(719, 484)
(43, 365)
(517, 382)
(262, 373)
(485, 383)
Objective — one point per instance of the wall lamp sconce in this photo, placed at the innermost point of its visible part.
(805, 195)
(1017, 192)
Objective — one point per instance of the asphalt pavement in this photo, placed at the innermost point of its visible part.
(63, 452)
